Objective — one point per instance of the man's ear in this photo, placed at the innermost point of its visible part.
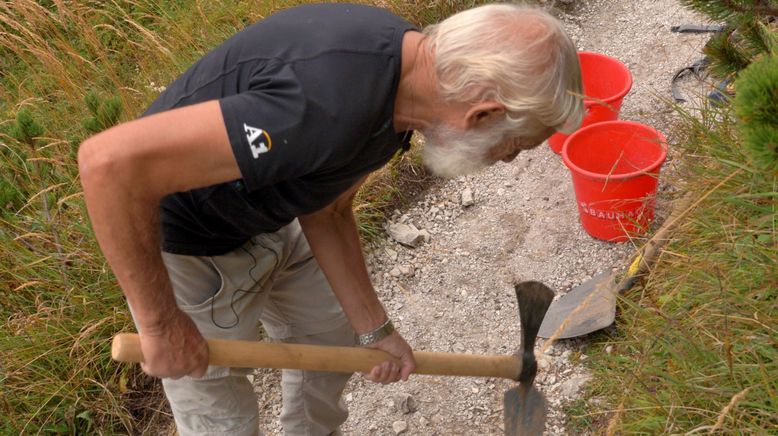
(483, 114)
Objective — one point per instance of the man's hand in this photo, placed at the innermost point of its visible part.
(393, 370)
(174, 349)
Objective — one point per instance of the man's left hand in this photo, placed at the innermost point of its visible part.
(398, 369)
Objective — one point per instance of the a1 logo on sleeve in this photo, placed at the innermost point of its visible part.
(259, 140)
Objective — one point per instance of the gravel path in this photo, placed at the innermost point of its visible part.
(454, 292)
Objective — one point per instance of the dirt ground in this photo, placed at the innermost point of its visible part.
(454, 292)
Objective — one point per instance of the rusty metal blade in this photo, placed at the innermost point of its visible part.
(524, 411)
(588, 307)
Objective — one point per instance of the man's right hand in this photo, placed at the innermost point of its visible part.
(174, 348)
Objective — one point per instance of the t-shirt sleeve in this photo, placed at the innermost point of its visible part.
(264, 129)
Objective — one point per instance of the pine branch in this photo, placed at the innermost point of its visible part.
(725, 10)
(763, 8)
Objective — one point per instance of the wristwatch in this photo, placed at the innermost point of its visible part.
(376, 335)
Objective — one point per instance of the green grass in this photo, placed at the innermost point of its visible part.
(68, 69)
(696, 346)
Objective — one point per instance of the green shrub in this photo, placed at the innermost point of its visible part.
(104, 112)
(26, 129)
(756, 105)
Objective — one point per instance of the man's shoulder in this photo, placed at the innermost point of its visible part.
(306, 31)
(345, 12)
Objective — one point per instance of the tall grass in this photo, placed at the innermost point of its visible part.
(68, 69)
(62, 62)
(696, 347)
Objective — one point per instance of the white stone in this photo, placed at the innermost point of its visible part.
(399, 427)
(391, 254)
(466, 198)
(406, 234)
(571, 387)
(406, 270)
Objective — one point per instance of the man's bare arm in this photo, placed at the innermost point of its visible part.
(334, 240)
(125, 172)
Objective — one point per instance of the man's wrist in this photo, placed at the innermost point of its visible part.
(154, 321)
(379, 333)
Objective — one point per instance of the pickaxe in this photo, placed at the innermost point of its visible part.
(524, 406)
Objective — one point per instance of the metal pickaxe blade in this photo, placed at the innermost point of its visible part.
(524, 407)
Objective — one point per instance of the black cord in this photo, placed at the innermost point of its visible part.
(243, 291)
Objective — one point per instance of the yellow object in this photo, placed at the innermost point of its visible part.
(635, 267)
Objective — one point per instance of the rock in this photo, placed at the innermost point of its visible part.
(466, 198)
(406, 234)
(425, 235)
(405, 403)
(349, 397)
(406, 270)
(395, 272)
(423, 421)
(570, 388)
(609, 349)
(391, 254)
(399, 427)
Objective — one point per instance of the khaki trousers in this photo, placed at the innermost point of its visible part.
(272, 279)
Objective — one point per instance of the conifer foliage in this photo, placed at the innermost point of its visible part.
(750, 32)
(756, 105)
(747, 51)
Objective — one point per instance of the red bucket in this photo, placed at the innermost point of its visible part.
(615, 168)
(607, 81)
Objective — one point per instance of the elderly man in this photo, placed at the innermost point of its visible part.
(243, 171)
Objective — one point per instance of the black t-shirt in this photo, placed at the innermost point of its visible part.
(307, 96)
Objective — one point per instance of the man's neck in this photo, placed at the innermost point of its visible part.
(417, 96)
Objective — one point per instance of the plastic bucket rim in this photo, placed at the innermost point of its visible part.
(621, 94)
(596, 176)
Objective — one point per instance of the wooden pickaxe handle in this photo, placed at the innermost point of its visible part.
(254, 354)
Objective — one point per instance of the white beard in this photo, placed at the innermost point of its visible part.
(450, 152)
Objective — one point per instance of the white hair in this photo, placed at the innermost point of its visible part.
(516, 55)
